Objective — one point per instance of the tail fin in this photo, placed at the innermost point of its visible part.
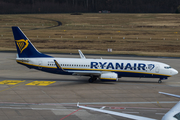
(24, 46)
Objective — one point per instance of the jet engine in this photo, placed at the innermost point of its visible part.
(109, 76)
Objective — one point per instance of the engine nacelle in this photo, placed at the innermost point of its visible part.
(109, 76)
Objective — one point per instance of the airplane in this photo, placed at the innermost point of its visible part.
(103, 69)
(172, 114)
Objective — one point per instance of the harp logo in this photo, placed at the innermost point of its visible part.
(22, 44)
(151, 66)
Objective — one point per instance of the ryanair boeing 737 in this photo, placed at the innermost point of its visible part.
(104, 69)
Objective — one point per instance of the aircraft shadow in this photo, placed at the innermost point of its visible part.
(135, 81)
(78, 81)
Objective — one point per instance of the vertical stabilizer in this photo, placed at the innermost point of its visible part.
(24, 46)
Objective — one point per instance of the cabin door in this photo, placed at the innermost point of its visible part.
(40, 65)
(157, 69)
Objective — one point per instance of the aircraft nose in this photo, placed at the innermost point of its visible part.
(174, 72)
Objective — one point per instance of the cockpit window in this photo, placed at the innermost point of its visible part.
(167, 67)
(177, 116)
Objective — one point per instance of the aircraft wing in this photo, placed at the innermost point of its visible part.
(134, 117)
(75, 72)
(78, 72)
(173, 113)
(178, 96)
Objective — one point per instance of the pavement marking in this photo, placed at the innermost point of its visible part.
(12, 87)
(159, 104)
(41, 83)
(94, 103)
(116, 108)
(160, 113)
(107, 103)
(11, 82)
(131, 112)
(70, 114)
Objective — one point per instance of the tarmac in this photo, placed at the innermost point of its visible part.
(28, 94)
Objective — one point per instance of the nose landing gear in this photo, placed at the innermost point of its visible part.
(160, 79)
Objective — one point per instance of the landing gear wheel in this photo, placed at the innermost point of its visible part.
(91, 80)
(159, 81)
(94, 78)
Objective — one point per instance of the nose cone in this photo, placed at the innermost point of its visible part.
(174, 72)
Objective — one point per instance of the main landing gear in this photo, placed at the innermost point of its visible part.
(92, 79)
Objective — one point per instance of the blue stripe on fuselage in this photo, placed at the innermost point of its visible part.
(45, 69)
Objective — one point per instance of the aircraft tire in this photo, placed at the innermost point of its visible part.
(91, 80)
(159, 81)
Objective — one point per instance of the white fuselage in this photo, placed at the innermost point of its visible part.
(124, 68)
(173, 114)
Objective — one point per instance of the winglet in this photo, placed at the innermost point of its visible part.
(81, 55)
(78, 104)
(102, 107)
